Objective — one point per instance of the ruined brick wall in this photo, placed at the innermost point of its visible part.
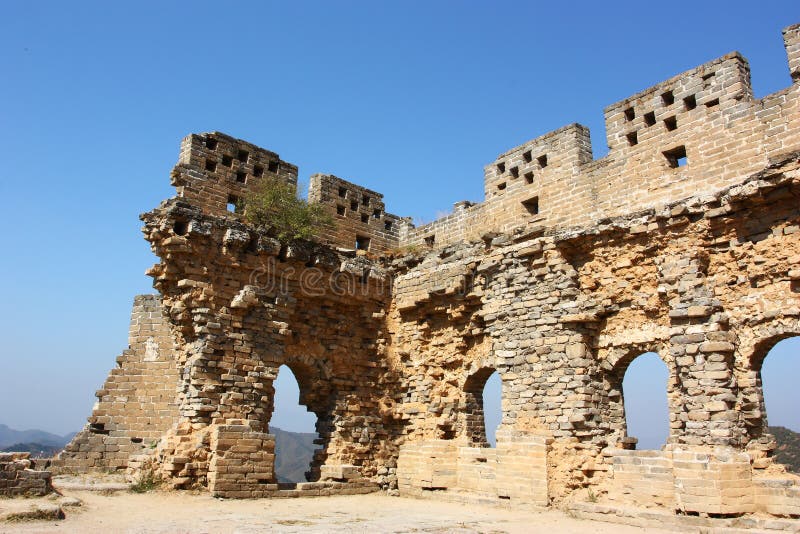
(240, 306)
(136, 404)
(709, 283)
(17, 476)
(698, 263)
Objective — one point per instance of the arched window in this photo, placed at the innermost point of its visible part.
(294, 428)
(780, 371)
(492, 406)
(482, 410)
(644, 391)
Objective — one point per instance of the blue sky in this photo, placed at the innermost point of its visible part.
(407, 98)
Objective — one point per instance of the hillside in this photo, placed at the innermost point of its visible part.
(293, 454)
(9, 437)
(788, 451)
(37, 450)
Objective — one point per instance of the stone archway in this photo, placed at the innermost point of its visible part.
(474, 427)
(616, 363)
(316, 393)
(755, 344)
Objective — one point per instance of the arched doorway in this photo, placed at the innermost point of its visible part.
(644, 393)
(294, 428)
(492, 406)
(482, 410)
(779, 372)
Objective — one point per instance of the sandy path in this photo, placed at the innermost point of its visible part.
(166, 512)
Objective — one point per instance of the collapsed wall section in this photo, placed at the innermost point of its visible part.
(18, 476)
(136, 405)
(241, 304)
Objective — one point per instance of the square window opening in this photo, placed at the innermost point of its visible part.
(542, 160)
(340, 210)
(241, 177)
(227, 160)
(531, 205)
(528, 177)
(362, 242)
(387, 225)
(211, 143)
(273, 166)
(211, 165)
(671, 123)
(377, 214)
(712, 103)
(676, 157)
(234, 204)
(690, 102)
(354, 205)
(630, 114)
(242, 156)
(501, 187)
(342, 192)
(667, 98)
(515, 172)
(365, 218)
(633, 139)
(258, 171)
(650, 118)
(501, 168)
(430, 240)
(365, 200)
(527, 156)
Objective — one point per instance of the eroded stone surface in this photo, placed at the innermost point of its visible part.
(566, 272)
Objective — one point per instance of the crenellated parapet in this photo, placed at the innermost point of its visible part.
(215, 171)
(360, 218)
(699, 131)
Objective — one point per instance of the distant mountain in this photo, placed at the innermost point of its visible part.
(9, 436)
(293, 454)
(788, 450)
(37, 450)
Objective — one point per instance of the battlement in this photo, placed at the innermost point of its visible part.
(663, 112)
(214, 170)
(699, 131)
(557, 154)
(360, 216)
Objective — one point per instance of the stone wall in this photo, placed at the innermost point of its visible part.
(17, 476)
(699, 131)
(359, 214)
(516, 470)
(136, 404)
(215, 171)
(696, 262)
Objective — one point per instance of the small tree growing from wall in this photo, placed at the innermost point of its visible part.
(274, 204)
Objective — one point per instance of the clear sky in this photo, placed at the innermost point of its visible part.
(408, 98)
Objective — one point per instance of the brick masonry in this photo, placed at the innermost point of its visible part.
(19, 478)
(136, 405)
(684, 240)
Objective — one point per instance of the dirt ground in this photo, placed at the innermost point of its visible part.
(171, 512)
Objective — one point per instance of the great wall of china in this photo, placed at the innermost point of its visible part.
(683, 240)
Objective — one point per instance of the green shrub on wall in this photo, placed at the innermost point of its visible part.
(274, 205)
